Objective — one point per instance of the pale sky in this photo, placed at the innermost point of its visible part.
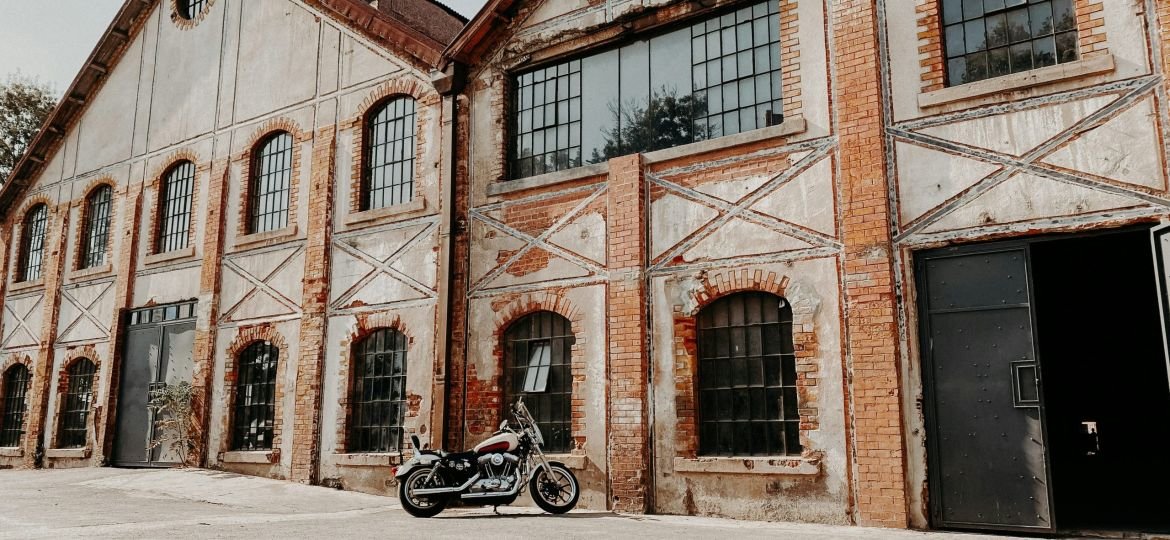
(49, 39)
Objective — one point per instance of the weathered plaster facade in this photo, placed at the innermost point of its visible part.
(876, 159)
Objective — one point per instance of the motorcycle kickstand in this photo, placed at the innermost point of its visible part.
(496, 509)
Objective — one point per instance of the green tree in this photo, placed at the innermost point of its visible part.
(664, 122)
(24, 105)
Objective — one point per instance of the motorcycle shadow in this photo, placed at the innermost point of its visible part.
(570, 515)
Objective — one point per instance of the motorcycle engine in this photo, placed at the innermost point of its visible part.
(497, 471)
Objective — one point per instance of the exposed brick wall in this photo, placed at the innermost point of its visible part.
(1090, 38)
(83, 209)
(247, 159)
(456, 426)
(6, 364)
(367, 323)
(314, 303)
(155, 183)
(246, 336)
(86, 352)
(55, 238)
(871, 327)
(790, 59)
(626, 316)
(210, 282)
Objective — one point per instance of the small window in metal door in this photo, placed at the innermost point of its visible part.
(537, 358)
(78, 399)
(255, 407)
(747, 377)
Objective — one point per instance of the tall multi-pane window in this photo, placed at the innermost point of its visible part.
(716, 77)
(388, 176)
(991, 38)
(190, 9)
(271, 184)
(537, 365)
(255, 400)
(13, 389)
(78, 400)
(95, 236)
(378, 398)
(747, 377)
(32, 243)
(175, 207)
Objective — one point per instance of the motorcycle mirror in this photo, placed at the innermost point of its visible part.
(414, 441)
(503, 424)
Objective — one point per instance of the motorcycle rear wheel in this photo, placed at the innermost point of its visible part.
(555, 492)
(416, 506)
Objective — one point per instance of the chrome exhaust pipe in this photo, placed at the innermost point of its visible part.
(515, 489)
(439, 491)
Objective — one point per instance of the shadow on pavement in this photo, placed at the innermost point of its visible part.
(572, 515)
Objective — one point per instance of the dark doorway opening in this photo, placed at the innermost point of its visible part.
(1106, 390)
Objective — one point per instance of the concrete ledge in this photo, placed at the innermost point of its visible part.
(256, 240)
(169, 256)
(1018, 81)
(795, 466)
(67, 453)
(265, 457)
(12, 452)
(548, 179)
(575, 462)
(367, 460)
(416, 205)
(784, 129)
(15, 287)
(87, 273)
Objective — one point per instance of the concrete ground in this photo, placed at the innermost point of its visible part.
(173, 504)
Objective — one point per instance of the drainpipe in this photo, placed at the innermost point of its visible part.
(448, 82)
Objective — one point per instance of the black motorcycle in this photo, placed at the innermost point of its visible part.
(494, 473)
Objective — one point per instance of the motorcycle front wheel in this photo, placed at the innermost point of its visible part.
(417, 506)
(555, 489)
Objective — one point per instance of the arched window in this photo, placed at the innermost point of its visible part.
(174, 215)
(13, 389)
(255, 402)
(378, 398)
(95, 235)
(747, 377)
(32, 243)
(271, 184)
(537, 357)
(190, 9)
(388, 176)
(78, 400)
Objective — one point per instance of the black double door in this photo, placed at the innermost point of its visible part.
(1047, 396)
(157, 352)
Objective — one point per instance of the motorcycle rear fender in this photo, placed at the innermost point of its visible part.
(424, 460)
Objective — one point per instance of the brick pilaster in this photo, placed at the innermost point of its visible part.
(306, 430)
(210, 279)
(629, 454)
(872, 331)
(43, 375)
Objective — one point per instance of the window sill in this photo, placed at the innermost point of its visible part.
(169, 256)
(506, 187)
(371, 217)
(264, 457)
(26, 285)
(786, 128)
(787, 466)
(367, 460)
(264, 239)
(67, 453)
(1018, 81)
(11, 452)
(91, 273)
(575, 462)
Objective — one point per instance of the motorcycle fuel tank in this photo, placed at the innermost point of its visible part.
(502, 442)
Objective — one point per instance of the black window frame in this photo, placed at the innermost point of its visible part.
(191, 9)
(13, 404)
(176, 195)
(517, 171)
(254, 402)
(733, 413)
(550, 400)
(95, 233)
(378, 395)
(270, 186)
(77, 402)
(33, 232)
(956, 20)
(379, 141)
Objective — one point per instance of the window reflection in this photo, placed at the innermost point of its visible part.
(718, 77)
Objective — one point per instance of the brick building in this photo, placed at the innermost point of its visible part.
(780, 259)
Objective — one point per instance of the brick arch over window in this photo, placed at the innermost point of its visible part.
(157, 184)
(713, 287)
(492, 393)
(14, 400)
(247, 162)
(74, 413)
(424, 97)
(367, 324)
(18, 237)
(246, 337)
(85, 251)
